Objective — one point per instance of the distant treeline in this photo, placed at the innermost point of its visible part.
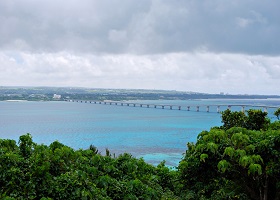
(46, 94)
(239, 160)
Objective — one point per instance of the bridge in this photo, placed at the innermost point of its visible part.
(197, 108)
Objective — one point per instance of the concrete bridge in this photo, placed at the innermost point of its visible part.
(197, 108)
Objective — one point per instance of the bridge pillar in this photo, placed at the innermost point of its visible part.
(105, 103)
(197, 108)
(121, 104)
(110, 103)
(170, 107)
(128, 104)
(179, 107)
(134, 104)
(155, 106)
(140, 105)
(218, 109)
(207, 108)
(229, 107)
(162, 107)
(243, 109)
(188, 108)
(148, 105)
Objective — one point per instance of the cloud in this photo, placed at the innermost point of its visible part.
(254, 18)
(204, 46)
(204, 72)
(242, 22)
(142, 27)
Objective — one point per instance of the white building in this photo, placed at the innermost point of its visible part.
(56, 96)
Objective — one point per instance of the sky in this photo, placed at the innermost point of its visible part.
(208, 46)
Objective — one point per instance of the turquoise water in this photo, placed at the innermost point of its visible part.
(154, 134)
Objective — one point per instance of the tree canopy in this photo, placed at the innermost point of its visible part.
(239, 160)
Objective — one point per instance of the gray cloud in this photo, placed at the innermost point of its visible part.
(141, 27)
(189, 45)
(205, 72)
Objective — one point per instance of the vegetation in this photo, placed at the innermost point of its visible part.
(235, 161)
(46, 94)
(277, 113)
(32, 171)
(239, 160)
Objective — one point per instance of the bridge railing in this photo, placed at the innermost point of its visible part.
(197, 108)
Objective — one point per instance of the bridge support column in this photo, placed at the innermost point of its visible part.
(243, 109)
(148, 106)
(162, 107)
(99, 102)
(229, 107)
(121, 104)
(188, 108)
(134, 104)
(155, 106)
(140, 105)
(179, 107)
(116, 104)
(207, 109)
(170, 107)
(128, 104)
(197, 108)
(218, 109)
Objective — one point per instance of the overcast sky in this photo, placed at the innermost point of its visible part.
(207, 46)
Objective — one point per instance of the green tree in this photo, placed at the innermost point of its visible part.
(26, 145)
(233, 119)
(245, 162)
(32, 171)
(256, 120)
(277, 113)
(252, 119)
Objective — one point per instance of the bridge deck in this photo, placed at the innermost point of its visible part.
(179, 107)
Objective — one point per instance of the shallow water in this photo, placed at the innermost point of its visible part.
(154, 134)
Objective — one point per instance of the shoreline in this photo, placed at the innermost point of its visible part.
(15, 100)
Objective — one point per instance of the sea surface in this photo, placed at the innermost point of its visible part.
(155, 134)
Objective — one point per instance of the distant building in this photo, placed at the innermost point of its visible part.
(56, 96)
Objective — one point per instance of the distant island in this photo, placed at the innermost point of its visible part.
(64, 93)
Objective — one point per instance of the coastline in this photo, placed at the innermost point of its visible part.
(15, 100)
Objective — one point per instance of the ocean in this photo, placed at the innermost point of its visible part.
(154, 134)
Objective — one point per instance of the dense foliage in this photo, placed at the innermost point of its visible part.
(239, 160)
(32, 171)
